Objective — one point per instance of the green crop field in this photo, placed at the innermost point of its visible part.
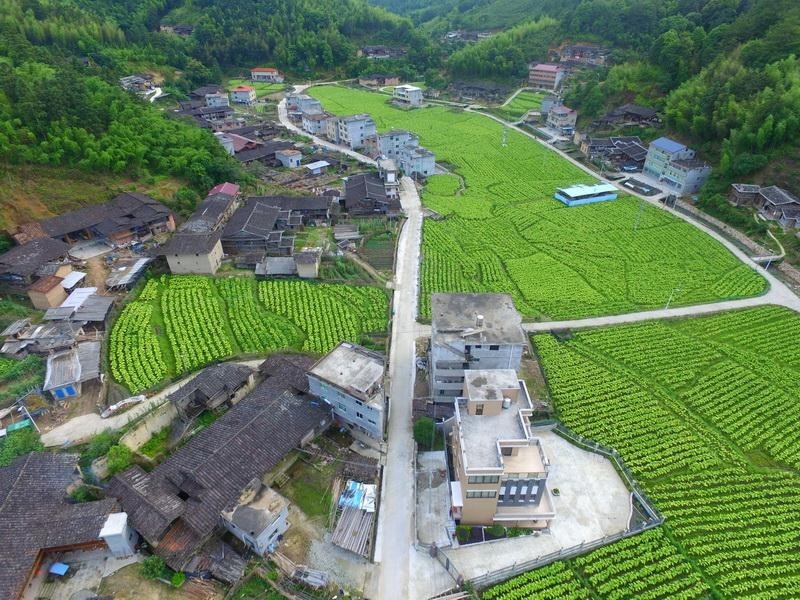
(505, 232)
(180, 323)
(262, 88)
(707, 420)
(516, 109)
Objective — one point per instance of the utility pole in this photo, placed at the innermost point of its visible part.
(671, 294)
(505, 137)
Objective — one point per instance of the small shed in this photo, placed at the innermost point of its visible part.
(289, 158)
(67, 370)
(72, 279)
(47, 292)
(318, 167)
(307, 261)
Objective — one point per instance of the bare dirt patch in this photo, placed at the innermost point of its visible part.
(127, 584)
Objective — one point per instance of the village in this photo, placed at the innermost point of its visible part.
(280, 469)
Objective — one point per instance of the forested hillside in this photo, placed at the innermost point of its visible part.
(61, 104)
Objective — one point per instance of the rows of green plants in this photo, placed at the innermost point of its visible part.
(326, 313)
(194, 322)
(521, 104)
(648, 566)
(206, 319)
(704, 412)
(134, 352)
(18, 376)
(254, 327)
(505, 231)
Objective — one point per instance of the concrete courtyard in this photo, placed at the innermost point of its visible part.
(433, 499)
(593, 502)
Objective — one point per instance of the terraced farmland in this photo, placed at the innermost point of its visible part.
(504, 231)
(180, 323)
(705, 412)
(522, 103)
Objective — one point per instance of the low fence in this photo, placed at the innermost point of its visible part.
(499, 575)
(151, 424)
(653, 517)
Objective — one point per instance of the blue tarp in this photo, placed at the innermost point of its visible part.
(59, 568)
(352, 495)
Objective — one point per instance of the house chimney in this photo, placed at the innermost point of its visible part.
(479, 320)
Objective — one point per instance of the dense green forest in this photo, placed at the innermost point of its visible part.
(60, 103)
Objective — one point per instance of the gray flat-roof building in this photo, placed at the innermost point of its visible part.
(472, 331)
(350, 379)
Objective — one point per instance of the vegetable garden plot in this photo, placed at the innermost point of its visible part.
(207, 319)
(506, 233)
(704, 411)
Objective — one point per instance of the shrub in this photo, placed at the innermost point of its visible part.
(18, 443)
(462, 533)
(496, 530)
(425, 433)
(153, 567)
(178, 579)
(119, 459)
(85, 493)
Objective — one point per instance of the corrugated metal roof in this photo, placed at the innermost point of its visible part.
(78, 297)
(72, 279)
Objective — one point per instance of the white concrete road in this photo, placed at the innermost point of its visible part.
(81, 428)
(395, 537)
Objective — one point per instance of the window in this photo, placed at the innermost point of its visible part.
(506, 451)
(479, 409)
(481, 494)
(483, 479)
(494, 347)
(359, 415)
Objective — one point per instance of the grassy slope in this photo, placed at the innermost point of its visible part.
(506, 233)
(704, 420)
(38, 191)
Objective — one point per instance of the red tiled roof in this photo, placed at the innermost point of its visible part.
(546, 67)
(263, 70)
(45, 284)
(227, 188)
(243, 88)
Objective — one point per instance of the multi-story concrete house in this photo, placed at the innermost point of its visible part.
(259, 518)
(354, 130)
(350, 379)
(416, 160)
(388, 171)
(562, 119)
(217, 99)
(408, 95)
(545, 76)
(243, 94)
(332, 129)
(675, 165)
(500, 467)
(266, 74)
(303, 104)
(315, 124)
(472, 331)
(390, 143)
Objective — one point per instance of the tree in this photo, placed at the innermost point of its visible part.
(119, 458)
(153, 567)
(19, 443)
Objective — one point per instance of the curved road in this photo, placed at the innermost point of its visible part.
(394, 543)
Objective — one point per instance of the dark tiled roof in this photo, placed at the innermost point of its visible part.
(28, 258)
(253, 219)
(214, 467)
(268, 150)
(212, 381)
(129, 209)
(778, 196)
(190, 243)
(34, 514)
(296, 203)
